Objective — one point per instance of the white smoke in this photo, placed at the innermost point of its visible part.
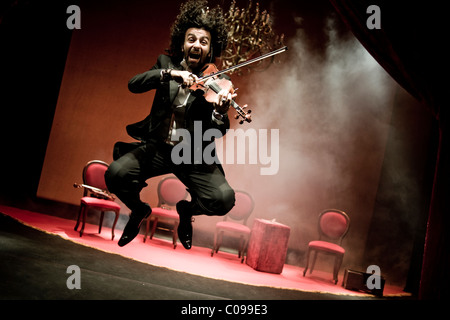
(332, 111)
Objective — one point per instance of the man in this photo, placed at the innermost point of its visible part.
(198, 36)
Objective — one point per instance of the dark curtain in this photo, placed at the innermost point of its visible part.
(411, 46)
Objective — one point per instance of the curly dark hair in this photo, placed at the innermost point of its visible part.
(196, 14)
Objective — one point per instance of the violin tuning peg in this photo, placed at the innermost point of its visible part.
(241, 122)
(249, 111)
(236, 116)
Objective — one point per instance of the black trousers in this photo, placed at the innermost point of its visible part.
(126, 177)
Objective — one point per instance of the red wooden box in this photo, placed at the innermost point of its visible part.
(267, 246)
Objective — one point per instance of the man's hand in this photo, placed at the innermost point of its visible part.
(223, 100)
(185, 78)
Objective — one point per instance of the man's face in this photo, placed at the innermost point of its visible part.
(196, 47)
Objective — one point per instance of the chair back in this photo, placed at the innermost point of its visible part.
(243, 207)
(170, 191)
(94, 174)
(333, 224)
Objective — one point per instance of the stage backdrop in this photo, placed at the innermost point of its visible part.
(326, 106)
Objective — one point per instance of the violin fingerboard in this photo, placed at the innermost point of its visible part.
(214, 86)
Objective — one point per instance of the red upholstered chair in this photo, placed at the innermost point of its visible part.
(170, 191)
(333, 226)
(96, 195)
(241, 211)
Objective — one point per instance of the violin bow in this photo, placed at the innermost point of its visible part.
(245, 63)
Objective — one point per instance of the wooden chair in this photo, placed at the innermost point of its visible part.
(170, 191)
(96, 195)
(333, 226)
(241, 211)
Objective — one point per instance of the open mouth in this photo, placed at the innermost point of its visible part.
(194, 57)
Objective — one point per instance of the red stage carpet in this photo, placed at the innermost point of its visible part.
(198, 260)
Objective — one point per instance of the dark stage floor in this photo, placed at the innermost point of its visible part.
(156, 253)
(34, 266)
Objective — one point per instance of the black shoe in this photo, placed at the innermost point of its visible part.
(185, 226)
(134, 224)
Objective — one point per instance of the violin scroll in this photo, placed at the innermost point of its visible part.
(246, 116)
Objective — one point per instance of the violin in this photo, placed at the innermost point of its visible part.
(213, 85)
(210, 84)
(97, 192)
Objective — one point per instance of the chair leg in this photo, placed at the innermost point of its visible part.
(313, 261)
(241, 244)
(215, 243)
(175, 234)
(244, 249)
(114, 224)
(307, 261)
(155, 223)
(80, 212)
(102, 215)
(219, 241)
(83, 217)
(337, 266)
(147, 228)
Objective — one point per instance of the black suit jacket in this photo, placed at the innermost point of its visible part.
(197, 108)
